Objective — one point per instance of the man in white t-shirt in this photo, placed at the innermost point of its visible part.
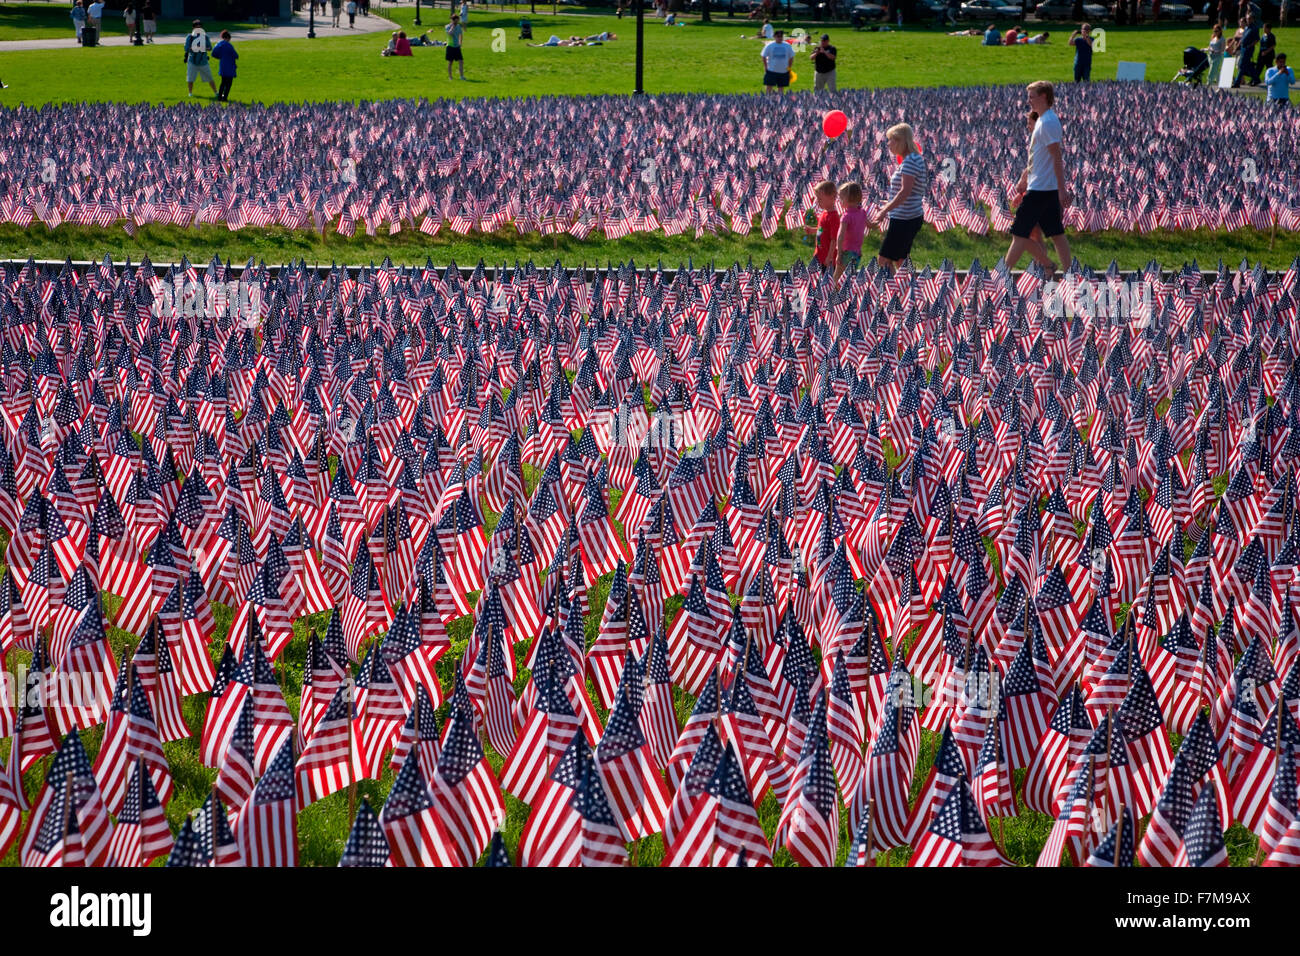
(95, 15)
(777, 58)
(1043, 195)
(768, 29)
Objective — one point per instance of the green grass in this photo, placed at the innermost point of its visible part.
(697, 57)
(277, 246)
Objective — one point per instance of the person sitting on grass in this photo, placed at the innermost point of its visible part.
(991, 36)
(399, 45)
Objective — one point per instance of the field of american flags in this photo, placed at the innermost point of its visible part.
(570, 167)
(60, 504)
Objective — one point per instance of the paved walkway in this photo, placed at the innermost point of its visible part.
(294, 29)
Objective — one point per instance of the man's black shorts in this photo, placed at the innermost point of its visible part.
(776, 79)
(453, 53)
(1042, 208)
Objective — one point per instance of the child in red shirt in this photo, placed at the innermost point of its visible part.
(828, 224)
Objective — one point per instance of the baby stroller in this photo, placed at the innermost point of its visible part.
(1195, 67)
(525, 30)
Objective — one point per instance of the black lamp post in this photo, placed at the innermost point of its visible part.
(136, 38)
(640, 48)
(704, 12)
(311, 19)
(417, 13)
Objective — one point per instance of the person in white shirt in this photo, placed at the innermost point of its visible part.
(767, 29)
(95, 15)
(464, 13)
(1043, 194)
(777, 58)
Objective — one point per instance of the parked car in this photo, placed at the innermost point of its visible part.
(1064, 10)
(1168, 11)
(990, 10)
(864, 13)
(926, 11)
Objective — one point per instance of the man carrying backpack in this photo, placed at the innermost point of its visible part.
(197, 48)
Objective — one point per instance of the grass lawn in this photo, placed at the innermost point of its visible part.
(697, 57)
(277, 246)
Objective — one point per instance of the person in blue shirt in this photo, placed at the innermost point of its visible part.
(992, 37)
(225, 55)
(1081, 40)
(778, 56)
(1278, 79)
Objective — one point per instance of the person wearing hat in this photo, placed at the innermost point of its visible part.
(197, 48)
(823, 57)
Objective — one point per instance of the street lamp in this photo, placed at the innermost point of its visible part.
(704, 12)
(311, 19)
(136, 38)
(640, 48)
(417, 13)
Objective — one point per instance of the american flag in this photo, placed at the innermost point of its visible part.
(267, 829)
(1116, 849)
(464, 789)
(623, 758)
(333, 757)
(957, 835)
(810, 821)
(141, 834)
(411, 824)
(366, 846)
(723, 825)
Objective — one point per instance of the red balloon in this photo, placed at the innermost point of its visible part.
(834, 123)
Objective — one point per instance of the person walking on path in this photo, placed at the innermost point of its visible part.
(197, 48)
(78, 15)
(455, 32)
(1042, 190)
(149, 22)
(336, 11)
(225, 55)
(352, 14)
(823, 57)
(1081, 40)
